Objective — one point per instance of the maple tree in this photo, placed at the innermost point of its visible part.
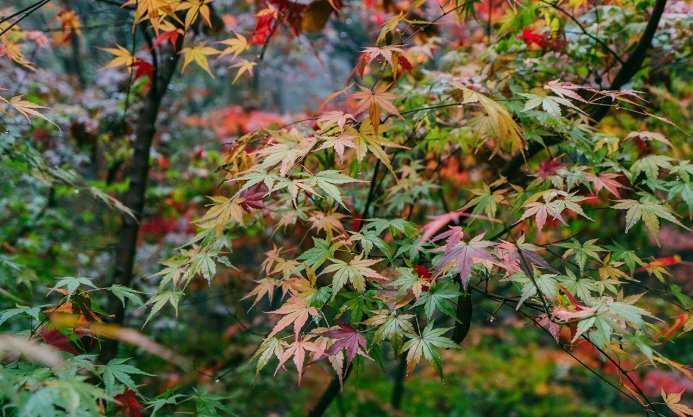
(478, 161)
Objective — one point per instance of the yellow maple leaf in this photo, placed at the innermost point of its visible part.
(673, 402)
(199, 54)
(235, 45)
(152, 10)
(193, 9)
(123, 57)
(244, 66)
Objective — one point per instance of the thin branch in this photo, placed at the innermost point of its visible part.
(582, 28)
(23, 15)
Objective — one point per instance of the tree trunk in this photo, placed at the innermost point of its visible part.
(135, 196)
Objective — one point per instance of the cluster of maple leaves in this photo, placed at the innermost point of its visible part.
(341, 301)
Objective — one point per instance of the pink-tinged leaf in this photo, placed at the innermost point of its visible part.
(465, 255)
(510, 256)
(346, 338)
(566, 89)
(550, 166)
(297, 352)
(441, 220)
(552, 206)
(606, 181)
(295, 312)
(552, 327)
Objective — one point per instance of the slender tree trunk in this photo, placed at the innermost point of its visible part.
(135, 196)
(398, 383)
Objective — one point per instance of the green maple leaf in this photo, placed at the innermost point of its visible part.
(117, 370)
(427, 344)
(439, 297)
(354, 271)
(391, 326)
(581, 252)
(649, 210)
(650, 165)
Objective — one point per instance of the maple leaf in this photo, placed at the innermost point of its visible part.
(269, 347)
(331, 118)
(411, 280)
(673, 401)
(275, 263)
(440, 296)
(170, 36)
(263, 24)
(143, 68)
(486, 201)
(649, 210)
(551, 207)
(645, 136)
(367, 139)
(152, 10)
(326, 181)
(195, 8)
(55, 339)
(297, 352)
(545, 284)
(346, 338)
(511, 256)
(550, 104)
(529, 36)
(566, 89)
(605, 181)
(220, 213)
(25, 108)
(329, 222)
(391, 326)
(498, 124)
(198, 54)
(651, 166)
(355, 271)
(374, 102)
(427, 344)
(395, 56)
(463, 255)
(234, 46)
(581, 252)
(339, 143)
(128, 404)
(296, 312)
(244, 67)
(123, 57)
(549, 167)
(264, 287)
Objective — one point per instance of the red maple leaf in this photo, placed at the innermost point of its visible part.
(143, 68)
(128, 405)
(263, 27)
(549, 167)
(253, 196)
(347, 338)
(529, 36)
(57, 340)
(422, 271)
(171, 37)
